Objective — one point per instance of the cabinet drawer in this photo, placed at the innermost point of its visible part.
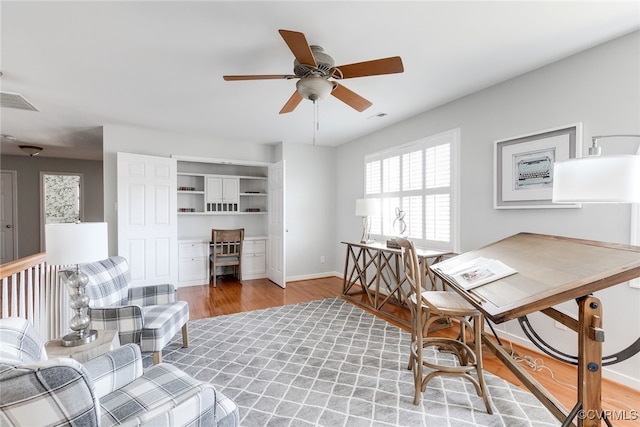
(254, 247)
(193, 269)
(193, 250)
(253, 265)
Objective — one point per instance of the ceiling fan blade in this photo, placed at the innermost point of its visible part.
(372, 68)
(260, 77)
(297, 42)
(350, 98)
(292, 103)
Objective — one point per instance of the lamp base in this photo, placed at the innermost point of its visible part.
(75, 339)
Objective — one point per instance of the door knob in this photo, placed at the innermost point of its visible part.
(8, 225)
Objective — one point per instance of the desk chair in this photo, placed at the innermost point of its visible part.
(227, 251)
(428, 307)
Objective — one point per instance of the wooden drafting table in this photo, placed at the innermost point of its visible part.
(375, 271)
(552, 270)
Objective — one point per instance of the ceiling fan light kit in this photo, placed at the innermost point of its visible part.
(314, 88)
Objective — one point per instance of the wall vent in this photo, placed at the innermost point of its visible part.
(15, 100)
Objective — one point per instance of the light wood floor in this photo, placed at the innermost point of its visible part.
(232, 297)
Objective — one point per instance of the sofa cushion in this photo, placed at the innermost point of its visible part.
(165, 395)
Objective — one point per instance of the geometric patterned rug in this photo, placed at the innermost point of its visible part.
(330, 363)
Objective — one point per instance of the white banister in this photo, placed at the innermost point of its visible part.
(31, 289)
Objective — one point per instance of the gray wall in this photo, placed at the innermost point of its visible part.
(310, 206)
(600, 88)
(28, 171)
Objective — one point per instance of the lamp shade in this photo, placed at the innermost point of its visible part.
(76, 243)
(597, 179)
(367, 207)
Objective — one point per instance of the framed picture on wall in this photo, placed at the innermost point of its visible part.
(523, 167)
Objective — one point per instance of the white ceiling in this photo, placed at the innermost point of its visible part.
(160, 65)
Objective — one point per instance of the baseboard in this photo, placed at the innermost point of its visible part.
(312, 276)
(607, 372)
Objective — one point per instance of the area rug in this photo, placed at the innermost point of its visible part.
(330, 363)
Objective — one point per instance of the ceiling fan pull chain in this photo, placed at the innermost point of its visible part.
(316, 122)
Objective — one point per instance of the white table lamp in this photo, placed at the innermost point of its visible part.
(366, 208)
(68, 244)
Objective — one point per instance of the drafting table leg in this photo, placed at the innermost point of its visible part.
(590, 338)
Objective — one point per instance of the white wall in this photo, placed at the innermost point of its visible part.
(143, 141)
(600, 88)
(310, 205)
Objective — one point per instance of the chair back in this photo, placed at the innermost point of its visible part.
(20, 342)
(411, 267)
(228, 243)
(108, 282)
(414, 275)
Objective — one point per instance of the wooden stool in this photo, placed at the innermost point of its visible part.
(433, 306)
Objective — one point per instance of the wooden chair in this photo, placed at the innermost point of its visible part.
(227, 251)
(428, 307)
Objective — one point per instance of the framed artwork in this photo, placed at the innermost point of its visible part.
(523, 167)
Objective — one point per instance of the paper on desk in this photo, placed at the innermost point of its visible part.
(475, 272)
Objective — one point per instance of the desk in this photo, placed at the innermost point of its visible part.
(374, 270)
(552, 270)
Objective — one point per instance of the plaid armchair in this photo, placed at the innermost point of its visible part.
(109, 390)
(145, 315)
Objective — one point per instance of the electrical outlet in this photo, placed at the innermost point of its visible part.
(322, 259)
(560, 326)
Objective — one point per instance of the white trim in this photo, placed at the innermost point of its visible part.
(313, 276)
(196, 159)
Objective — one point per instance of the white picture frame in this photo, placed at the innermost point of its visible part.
(523, 167)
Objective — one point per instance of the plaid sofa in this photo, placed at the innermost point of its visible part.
(112, 389)
(145, 315)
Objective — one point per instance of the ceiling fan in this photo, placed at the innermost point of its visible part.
(314, 69)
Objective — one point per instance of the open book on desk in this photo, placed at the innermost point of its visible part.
(474, 273)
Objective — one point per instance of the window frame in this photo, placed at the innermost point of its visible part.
(451, 137)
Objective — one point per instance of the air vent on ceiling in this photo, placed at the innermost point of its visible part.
(15, 100)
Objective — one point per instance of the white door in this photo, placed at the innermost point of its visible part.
(147, 217)
(276, 252)
(8, 212)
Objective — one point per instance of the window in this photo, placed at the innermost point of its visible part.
(60, 199)
(421, 179)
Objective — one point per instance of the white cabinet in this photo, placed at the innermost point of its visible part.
(254, 260)
(200, 193)
(221, 194)
(193, 262)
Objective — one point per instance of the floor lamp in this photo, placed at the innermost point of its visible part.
(69, 244)
(598, 179)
